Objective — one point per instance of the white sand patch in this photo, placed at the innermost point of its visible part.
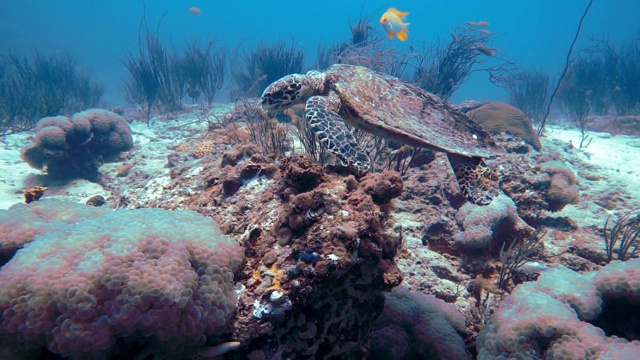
(608, 179)
(13, 171)
(152, 145)
(616, 157)
(16, 176)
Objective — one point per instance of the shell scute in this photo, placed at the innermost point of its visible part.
(391, 108)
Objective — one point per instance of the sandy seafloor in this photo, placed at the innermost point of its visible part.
(614, 158)
(607, 172)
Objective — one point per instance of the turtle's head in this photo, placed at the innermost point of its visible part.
(292, 89)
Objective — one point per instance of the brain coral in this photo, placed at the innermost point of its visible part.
(112, 280)
(77, 147)
(499, 117)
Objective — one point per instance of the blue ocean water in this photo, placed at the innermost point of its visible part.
(99, 34)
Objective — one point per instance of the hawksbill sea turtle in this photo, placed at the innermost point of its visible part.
(388, 107)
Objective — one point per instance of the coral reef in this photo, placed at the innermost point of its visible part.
(480, 222)
(336, 239)
(500, 117)
(322, 247)
(320, 252)
(115, 282)
(562, 189)
(417, 326)
(553, 317)
(67, 148)
(223, 236)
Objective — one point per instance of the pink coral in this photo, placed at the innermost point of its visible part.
(145, 276)
(77, 147)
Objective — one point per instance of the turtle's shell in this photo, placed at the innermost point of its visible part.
(390, 108)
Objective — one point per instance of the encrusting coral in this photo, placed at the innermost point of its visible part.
(322, 247)
(197, 148)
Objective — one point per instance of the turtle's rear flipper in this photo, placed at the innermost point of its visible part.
(477, 181)
(334, 135)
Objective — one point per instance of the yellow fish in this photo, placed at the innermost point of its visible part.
(392, 23)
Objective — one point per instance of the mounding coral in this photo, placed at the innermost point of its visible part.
(557, 317)
(76, 147)
(562, 189)
(481, 223)
(116, 282)
(417, 326)
(499, 117)
(23, 223)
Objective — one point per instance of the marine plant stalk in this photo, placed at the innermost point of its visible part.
(566, 67)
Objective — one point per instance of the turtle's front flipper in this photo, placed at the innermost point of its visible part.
(477, 181)
(334, 135)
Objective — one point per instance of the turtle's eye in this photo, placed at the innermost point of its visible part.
(293, 90)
